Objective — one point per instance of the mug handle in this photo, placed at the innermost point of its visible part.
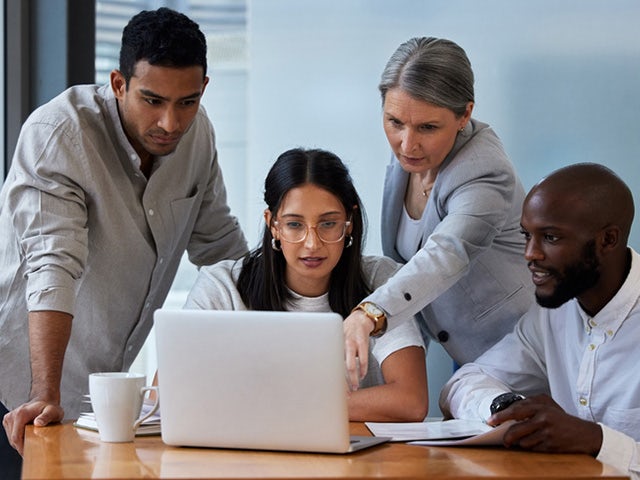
(155, 405)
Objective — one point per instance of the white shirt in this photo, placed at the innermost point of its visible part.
(586, 364)
(409, 235)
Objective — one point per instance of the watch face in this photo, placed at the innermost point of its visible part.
(371, 309)
(503, 401)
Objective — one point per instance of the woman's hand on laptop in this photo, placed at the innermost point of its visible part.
(357, 327)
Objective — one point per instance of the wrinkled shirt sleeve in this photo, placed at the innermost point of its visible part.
(513, 365)
(50, 218)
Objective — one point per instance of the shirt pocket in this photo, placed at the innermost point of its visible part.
(184, 212)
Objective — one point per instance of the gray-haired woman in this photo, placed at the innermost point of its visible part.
(451, 213)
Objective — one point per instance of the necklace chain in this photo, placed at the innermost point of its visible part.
(426, 189)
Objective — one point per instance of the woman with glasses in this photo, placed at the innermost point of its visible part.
(311, 259)
(451, 211)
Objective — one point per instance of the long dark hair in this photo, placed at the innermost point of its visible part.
(261, 281)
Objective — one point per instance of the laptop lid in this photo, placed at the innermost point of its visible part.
(254, 380)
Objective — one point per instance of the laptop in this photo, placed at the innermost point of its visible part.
(254, 380)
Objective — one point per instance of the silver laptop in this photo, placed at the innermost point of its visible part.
(254, 380)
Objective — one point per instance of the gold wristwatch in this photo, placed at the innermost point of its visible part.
(376, 315)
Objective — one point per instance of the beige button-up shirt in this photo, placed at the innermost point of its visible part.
(84, 232)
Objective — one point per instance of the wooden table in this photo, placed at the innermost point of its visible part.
(62, 451)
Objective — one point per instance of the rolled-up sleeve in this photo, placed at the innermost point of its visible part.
(49, 216)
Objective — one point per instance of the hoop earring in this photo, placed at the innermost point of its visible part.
(349, 241)
(274, 245)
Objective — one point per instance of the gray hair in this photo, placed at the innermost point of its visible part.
(434, 70)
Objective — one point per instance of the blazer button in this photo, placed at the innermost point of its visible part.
(443, 336)
(407, 296)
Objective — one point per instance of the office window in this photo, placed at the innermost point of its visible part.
(224, 23)
(111, 17)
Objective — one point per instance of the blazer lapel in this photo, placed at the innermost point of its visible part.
(395, 185)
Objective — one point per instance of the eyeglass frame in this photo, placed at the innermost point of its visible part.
(347, 223)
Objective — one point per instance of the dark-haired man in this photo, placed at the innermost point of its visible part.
(108, 187)
(567, 373)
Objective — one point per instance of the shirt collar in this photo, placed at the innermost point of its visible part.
(614, 313)
(123, 141)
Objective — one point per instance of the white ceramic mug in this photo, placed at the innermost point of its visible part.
(116, 398)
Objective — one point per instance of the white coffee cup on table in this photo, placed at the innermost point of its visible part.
(116, 398)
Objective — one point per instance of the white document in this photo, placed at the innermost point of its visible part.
(443, 433)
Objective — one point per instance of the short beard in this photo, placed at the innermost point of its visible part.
(577, 278)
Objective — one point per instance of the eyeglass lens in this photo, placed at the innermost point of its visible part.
(329, 231)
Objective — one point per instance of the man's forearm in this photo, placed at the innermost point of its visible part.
(49, 333)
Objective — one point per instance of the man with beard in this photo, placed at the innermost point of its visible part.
(565, 374)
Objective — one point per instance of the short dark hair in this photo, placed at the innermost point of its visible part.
(261, 281)
(162, 37)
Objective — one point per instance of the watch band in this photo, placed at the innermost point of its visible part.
(377, 316)
(503, 401)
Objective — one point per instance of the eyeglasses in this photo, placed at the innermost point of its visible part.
(329, 231)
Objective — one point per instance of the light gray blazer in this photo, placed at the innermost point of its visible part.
(468, 284)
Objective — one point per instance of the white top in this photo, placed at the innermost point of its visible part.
(586, 364)
(410, 233)
(215, 289)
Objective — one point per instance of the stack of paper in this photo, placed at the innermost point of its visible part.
(443, 433)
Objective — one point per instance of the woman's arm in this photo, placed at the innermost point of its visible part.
(215, 288)
(404, 395)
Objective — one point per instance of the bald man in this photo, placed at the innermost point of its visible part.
(568, 372)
